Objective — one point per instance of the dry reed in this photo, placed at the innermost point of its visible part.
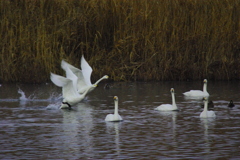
(128, 40)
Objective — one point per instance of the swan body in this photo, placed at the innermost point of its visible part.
(70, 94)
(198, 93)
(205, 113)
(114, 117)
(169, 107)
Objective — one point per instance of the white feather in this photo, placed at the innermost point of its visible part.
(86, 70)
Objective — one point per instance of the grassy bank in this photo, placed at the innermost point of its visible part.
(128, 40)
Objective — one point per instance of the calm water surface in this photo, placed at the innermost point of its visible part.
(32, 127)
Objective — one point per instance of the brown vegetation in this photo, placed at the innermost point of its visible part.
(126, 39)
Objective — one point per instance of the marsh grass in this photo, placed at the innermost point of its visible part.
(128, 40)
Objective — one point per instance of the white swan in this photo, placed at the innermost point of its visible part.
(169, 107)
(114, 117)
(198, 93)
(84, 75)
(205, 113)
(70, 94)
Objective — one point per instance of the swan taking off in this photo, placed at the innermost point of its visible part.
(70, 94)
(205, 113)
(84, 75)
(114, 117)
(169, 107)
(198, 93)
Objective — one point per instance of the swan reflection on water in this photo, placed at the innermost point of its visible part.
(77, 127)
(115, 126)
(173, 116)
(207, 122)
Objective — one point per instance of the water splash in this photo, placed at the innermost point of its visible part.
(23, 96)
(52, 98)
(53, 106)
(55, 97)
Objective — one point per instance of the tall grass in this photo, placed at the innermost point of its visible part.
(128, 40)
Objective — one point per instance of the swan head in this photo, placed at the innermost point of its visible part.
(172, 90)
(205, 81)
(106, 77)
(115, 98)
(204, 99)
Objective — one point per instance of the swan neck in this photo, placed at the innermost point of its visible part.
(115, 108)
(86, 91)
(205, 87)
(205, 107)
(99, 80)
(173, 100)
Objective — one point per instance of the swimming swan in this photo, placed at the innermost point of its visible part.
(70, 94)
(198, 93)
(169, 107)
(114, 117)
(205, 113)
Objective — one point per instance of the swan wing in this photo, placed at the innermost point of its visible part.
(165, 107)
(59, 81)
(120, 118)
(211, 114)
(208, 114)
(70, 93)
(81, 84)
(194, 93)
(109, 117)
(86, 71)
(69, 73)
(66, 84)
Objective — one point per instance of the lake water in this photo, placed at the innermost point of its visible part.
(32, 127)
